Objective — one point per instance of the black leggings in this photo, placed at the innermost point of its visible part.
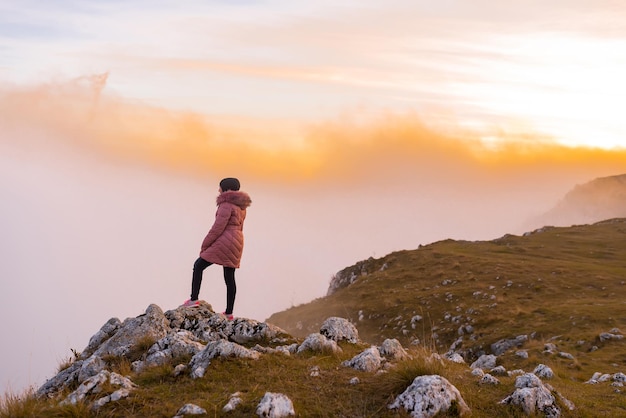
(229, 279)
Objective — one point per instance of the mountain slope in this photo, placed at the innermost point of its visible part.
(546, 283)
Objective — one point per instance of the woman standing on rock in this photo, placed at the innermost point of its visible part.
(223, 245)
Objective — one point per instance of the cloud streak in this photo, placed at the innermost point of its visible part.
(348, 147)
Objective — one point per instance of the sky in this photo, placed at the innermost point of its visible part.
(358, 128)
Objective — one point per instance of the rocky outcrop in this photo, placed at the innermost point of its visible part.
(485, 362)
(368, 360)
(318, 342)
(373, 358)
(275, 405)
(533, 397)
(174, 345)
(221, 348)
(96, 385)
(392, 350)
(500, 347)
(155, 338)
(349, 275)
(429, 395)
(190, 409)
(151, 325)
(191, 338)
(339, 329)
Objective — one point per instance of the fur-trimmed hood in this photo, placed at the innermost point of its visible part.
(235, 197)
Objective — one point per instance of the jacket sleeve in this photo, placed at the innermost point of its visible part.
(221, 220)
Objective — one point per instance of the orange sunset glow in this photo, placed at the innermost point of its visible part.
(358, 129)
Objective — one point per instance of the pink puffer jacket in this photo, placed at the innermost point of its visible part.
(223, 244)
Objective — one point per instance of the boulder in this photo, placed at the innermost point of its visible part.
(152, 324)
(190, 409)
(391, 349)
(318, 343)
(64, 379)
(484, 362)
(173, 345)
(454, 357)
(500, 347)
(233, 402)
(221, 348)
(429, 395)
(91, 367)
(533, 397)
(207, 326)
(339, 329)
(543, 371)
(96, 384)
(608, 336)
(275, 405)
(488, 379)
(367, 361)
(498, 371)
(105, 332)
(522, 354)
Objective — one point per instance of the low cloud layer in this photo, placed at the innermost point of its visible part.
(351, 150)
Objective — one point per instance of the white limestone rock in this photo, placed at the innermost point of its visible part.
(522, 354)
(152, 323)
(172, 346)
(500, 347)
(485, 362)
(103, 334)
(549, 348)
(516, 372)
(190, 409)
(91, 367)
(234, 401)
(391, 349)
(429, 395)
(207, 325)
(368, 360)
(533, 397)
(221, 348)
(478, 372)
(543, 371)
(64, 379)
(95, 384)
(488, 379)
(340, 329)
(454, 357)
(319, 343)
(608, 336)
(498, 371)
(275, 405)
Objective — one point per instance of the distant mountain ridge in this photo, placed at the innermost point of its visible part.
(597, 200)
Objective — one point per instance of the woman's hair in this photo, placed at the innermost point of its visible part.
(229, 183)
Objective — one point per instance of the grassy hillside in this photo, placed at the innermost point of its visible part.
(554, 281)
(563, 286)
